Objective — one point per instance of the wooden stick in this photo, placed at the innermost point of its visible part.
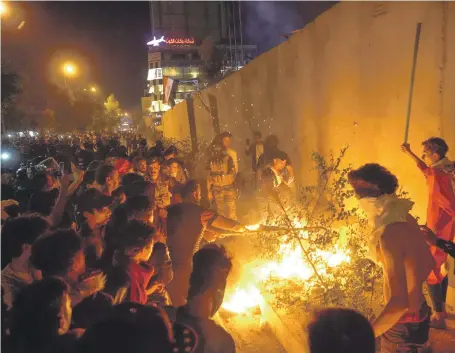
(411, 85)
(278, 230)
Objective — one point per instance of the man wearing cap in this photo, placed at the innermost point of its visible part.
(162, 194)
(226, 140)
(221, 178)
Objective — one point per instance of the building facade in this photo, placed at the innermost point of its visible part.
(195, 44)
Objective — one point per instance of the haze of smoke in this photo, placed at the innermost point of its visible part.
(268, 21)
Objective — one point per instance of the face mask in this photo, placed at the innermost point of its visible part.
(382, 211)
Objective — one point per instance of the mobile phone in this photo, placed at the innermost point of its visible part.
(62, 167)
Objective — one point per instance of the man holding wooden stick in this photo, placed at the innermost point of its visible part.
(439, 172)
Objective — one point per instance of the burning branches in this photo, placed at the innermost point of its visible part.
(324, 264)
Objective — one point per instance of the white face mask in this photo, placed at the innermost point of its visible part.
(382, 211)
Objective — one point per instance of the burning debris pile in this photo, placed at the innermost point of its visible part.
(319, 260)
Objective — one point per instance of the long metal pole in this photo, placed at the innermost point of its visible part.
(411, 85)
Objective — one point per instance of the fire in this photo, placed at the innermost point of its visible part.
(253, 227)
(243, 299)
(291, 264)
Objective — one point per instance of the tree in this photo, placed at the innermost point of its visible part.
(85, 109)
(11, 90)
(112, 112)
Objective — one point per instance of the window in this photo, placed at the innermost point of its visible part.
(172, 71)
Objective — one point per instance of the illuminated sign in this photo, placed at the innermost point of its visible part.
(180, 41)
(171, 41)
(155, 42)
(155, 74)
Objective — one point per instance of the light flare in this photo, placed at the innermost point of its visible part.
(243, 299)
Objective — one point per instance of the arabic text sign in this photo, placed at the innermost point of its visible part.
(171, 41)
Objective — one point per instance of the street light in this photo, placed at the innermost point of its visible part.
(3, 9)
(69, 69)
(93, 89)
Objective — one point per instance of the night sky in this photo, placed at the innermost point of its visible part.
(109, 38)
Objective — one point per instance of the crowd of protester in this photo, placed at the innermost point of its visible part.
(106, 248)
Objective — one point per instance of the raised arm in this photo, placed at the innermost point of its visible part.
(59, 208)
(406, 148)
(78, 178)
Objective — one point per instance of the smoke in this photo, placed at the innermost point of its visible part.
(266, 22)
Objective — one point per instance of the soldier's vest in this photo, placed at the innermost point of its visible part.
(222, 172)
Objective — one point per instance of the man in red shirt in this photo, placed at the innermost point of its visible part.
(439, 173)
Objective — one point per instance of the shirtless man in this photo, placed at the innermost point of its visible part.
(399, 247)
(188, 224)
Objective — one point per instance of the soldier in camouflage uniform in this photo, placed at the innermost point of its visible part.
(221, 181)
(162, 193)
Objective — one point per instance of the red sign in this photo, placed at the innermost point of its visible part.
(180, 41)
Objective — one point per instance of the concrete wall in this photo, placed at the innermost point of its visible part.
(344, 79)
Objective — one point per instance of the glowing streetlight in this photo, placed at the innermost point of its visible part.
(93, 89)
(69, 70)
(3, 9)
